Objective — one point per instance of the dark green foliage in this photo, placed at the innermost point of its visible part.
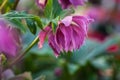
(17, 18)
(31, 25)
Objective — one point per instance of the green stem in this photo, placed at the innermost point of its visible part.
(3, 4)
(1, 66)
(17, 59)
(0, 71)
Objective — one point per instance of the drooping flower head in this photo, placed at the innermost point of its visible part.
(66, 3)
(9, 39)
(69, 36)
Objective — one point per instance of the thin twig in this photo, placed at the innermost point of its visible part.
(15, 4)
(3, 4)
(17, 59)
(0, 72)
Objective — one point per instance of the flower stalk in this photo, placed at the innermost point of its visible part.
(3, 4)
(0, 71)
(17, 59)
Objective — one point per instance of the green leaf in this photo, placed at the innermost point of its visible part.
(56, 8)
(66, 12)
(52, 9)
(31, 25)
(55, 23)
(49, 9)
(18, 24)
(17, 15)
(16, 18)
(38, 21)
(32, 20)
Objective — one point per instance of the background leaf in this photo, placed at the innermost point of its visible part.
(88, 52)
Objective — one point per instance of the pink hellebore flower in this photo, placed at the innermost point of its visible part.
(66, 3)
(41, 3)
(9, 39)
(69, 36)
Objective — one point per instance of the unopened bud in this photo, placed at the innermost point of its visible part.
(2, 59)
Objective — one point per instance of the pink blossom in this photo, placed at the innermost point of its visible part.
(41, 3)
(9, 39)
(69, 36)
(66, 3)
